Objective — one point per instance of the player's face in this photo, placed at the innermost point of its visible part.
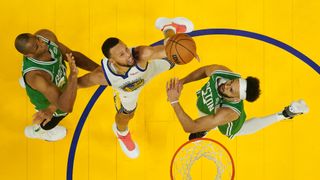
(121, 55)
(36, 47)
(230, 89)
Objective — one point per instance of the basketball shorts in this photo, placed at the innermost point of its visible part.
(126, 102)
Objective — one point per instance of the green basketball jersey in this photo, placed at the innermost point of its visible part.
(57, 70)
(209, 100)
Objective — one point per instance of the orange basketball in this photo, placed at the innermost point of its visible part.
(180, 49)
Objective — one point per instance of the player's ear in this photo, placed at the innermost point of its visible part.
(29, 55)
(235, 99)
(111, 59)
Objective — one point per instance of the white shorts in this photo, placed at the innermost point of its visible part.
(126, 102)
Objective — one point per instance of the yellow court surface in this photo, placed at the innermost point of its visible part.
(288, 150)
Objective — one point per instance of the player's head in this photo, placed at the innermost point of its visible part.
(30, 45)
(240, 89)
(117, 52)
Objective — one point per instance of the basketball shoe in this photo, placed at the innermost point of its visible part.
(178, 24)
(295, 108)
(197, 135)
(36, 132)
(128, 146)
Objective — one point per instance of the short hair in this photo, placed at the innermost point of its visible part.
(253, 89)
(21, 41)
(108, 44)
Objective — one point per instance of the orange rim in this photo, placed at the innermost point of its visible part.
(203, 139)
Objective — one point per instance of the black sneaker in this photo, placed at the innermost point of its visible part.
(295, 108)
(197, 135)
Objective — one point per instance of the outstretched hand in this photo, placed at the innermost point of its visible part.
(44, 116)
(72, 64)
(174, 88)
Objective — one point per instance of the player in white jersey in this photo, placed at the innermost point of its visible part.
(127, 70)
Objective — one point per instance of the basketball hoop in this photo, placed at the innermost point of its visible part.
(195, 150)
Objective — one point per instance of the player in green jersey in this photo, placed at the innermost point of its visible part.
(220, 103)
(46, 83)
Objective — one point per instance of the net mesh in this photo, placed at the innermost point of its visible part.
(194, 151)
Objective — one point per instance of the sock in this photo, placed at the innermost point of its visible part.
(255, 124)
(123, 133)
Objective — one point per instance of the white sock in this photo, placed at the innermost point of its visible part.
(255, 124)
(123, 133)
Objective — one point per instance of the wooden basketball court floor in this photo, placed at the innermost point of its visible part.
(286, 150)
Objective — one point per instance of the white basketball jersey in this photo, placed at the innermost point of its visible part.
(129, 85)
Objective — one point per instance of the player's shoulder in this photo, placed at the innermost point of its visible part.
(236, 106)
(216, 69)
(38, 75)
(48, 34)
(228, 112)
(225, 74)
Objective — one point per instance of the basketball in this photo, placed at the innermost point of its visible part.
(180, 49)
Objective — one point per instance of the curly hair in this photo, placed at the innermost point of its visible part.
(253, 89)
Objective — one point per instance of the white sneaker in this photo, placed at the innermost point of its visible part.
(178, 24)
(36, 132)
(128, 146)
(295, 108)
(22, 83)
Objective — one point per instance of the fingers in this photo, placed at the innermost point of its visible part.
(69, 56)
(170, 84)
(72, 63)
(180, 86)
(173, 83)
(41, 117)
(197, 57)
(38, 117)
(70, 59)
(176, 83)
(173, 88)
(44, 122)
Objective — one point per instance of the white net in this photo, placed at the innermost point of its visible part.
(193, 151)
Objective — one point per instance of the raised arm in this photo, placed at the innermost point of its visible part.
(82, 61)
(146, 53)
(63, 100)
(221, 117)
(202, 72)
(93, 78)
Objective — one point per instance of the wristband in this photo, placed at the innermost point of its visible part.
(174, 102)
